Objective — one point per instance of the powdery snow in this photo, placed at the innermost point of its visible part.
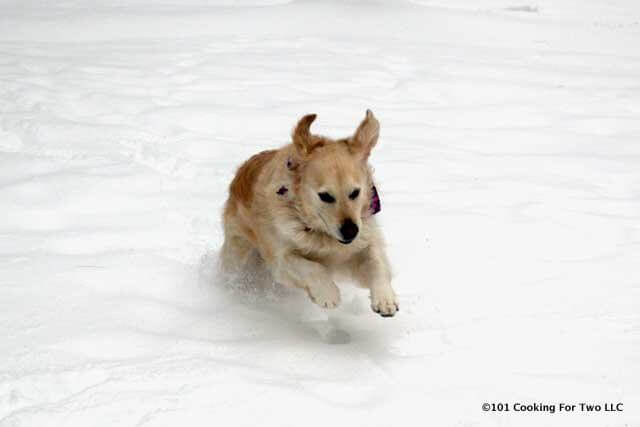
(509, 173)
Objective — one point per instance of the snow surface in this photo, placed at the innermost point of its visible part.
(509, 171)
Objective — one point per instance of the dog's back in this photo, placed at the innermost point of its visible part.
(242, 188)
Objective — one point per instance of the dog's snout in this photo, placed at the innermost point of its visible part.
(349, 230)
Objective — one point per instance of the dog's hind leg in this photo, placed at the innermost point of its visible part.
(235, 253)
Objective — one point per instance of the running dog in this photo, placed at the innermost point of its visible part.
(307, 209)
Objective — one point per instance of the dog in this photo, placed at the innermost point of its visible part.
(307, 210)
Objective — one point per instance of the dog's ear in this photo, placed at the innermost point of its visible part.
(301, 135)
(366, 136)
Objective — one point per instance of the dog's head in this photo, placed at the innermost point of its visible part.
(333, 182)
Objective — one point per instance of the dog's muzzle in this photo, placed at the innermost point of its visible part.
(348, 231)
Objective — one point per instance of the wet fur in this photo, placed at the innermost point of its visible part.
(297, 235)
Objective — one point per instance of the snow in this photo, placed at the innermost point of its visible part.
(509, 174)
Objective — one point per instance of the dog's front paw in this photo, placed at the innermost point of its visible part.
(326, 296)
(383, 302)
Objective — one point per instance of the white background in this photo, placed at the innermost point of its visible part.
(509, 172)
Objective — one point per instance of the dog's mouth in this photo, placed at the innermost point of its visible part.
(343, 241)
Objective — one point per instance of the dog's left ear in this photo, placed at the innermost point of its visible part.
(366, 136)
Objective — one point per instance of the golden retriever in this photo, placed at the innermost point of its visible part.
(307, 209)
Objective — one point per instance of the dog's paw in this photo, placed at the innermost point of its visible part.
(326, 296)
(384, 302)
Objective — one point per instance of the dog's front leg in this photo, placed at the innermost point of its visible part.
(372, 270)
(313, 277)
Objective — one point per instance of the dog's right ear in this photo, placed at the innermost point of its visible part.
(302, 136)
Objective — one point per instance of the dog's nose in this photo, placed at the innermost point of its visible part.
(349, 230)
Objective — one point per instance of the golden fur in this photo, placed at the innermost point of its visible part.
(300, 237)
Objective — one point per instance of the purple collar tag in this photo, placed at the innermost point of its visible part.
(375, 201)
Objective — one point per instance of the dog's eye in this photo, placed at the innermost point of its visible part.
(326, 197)
(354, 194)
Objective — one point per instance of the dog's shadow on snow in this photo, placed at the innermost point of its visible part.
(259, 308)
